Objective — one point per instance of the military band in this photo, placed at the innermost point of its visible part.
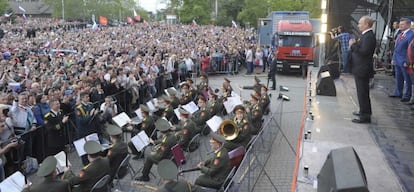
(237, 129)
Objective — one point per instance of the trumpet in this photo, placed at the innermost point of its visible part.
(229, 129)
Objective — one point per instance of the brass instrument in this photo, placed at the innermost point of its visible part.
(229, 129)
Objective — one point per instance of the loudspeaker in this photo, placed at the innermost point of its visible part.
(325, 84)
(342, 172)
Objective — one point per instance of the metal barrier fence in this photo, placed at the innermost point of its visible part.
(221, 65)
(271, 141)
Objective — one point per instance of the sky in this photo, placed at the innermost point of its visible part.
(151, 5)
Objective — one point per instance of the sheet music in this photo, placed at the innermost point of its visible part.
(121, 119)
(140, 141)
(81, 142)
(13, 183)
(61, 161)
(234, 94)
(139, 114)
(231, 103)
(156, 103)
(79, 146)
(214, 123)
(151, 106)
(177, 113)
(93, 137)
(191, 107)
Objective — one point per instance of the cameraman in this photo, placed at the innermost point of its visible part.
(343, 37)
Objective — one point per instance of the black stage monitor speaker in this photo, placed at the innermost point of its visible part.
(325, 84)
(342, 172)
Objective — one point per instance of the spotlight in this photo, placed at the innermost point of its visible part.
(284, 97)
(283, 88)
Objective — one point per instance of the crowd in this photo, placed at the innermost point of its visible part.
(59, 77)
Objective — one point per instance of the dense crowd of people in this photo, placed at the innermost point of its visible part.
(61, 81)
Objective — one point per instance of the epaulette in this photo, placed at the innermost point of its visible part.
(244, 121)
(218, 154)
(47, 114)
(86, 166)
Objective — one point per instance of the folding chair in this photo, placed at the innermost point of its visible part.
(178, 155)
(125, 163)
(102, 184)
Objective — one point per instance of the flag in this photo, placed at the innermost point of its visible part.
(24, 17)
(194, 24)
(22, 9)
(103, 21)
(129, 20)
(137, 17)
(95, 26)
(8, 14)
(233, 24)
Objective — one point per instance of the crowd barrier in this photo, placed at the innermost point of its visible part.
(221, 65)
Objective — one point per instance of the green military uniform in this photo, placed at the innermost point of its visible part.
(186, 98)
(216, 108)
(169, 111)
(200, 117)
(244, 127)
(264, 103)
(147, 125)
(117, 151)
(215, 170)
(161, 150)
(55, 132)
(257, 86)
(91, 173)
(175, 102)
(168, 171)
(255, 117)
(186, 130)
(50, 183)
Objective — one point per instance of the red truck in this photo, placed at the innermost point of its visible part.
(294, 42)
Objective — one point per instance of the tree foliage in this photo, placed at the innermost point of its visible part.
(80, 9)
(3, 6)
(195, 10)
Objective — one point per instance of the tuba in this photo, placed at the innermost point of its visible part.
(229, 129)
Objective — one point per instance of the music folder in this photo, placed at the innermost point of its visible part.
(231, 103)
(214, 123)
(61, 162)
(81, 142)
(140, 141)
(121, 119)
(177, 113)
(191, 107)
(13, 183)
(151, 106)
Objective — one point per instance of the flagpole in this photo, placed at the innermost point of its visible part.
(63, 10)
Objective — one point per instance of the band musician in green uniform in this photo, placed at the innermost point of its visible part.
(244, 136)
(254, 114)
(91, 173)
(215, 170)
(161, 149)
(168, 172)
(117, 151)
(50, 184)
(147, 125)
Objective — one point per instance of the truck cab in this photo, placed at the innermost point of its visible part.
(294, 42)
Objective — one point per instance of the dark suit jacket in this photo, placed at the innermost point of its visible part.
(50, 185)
(361, 61)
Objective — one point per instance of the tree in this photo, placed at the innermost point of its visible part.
(228, 11)
(195, 10)
(3, 5)
(253, 10)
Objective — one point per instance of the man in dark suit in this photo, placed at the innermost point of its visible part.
(362, 68)
(54, 126)
(399, 60)
(48, 170)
